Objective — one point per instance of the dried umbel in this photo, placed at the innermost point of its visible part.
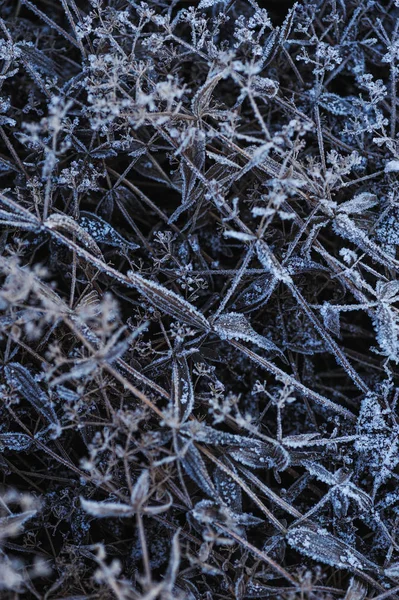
(199, 299)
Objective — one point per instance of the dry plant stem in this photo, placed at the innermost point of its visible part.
(49, 22)
(310, 394)
(259, 554)
(339, 355)
(270, 494)
(134, 391)
(144, 549)
(386, 595)
(246, 489)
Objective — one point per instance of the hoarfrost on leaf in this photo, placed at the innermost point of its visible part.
(392, 166)
(323, 547)
(210, 3)
(358, 204)
(106, 509)
(21, 379)
(102, 232)
(15, 441)
(235, 326)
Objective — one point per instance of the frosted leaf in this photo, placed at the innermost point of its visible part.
(183, 390)
(261, 455)
(264, 87)
(21, 380)
(229, 490)
(190, 168)
(136, 147)
(201, 100)
(36, 57)
(323, 547)
(222, 160)
(392, 166)
(203, 433)
(263, 211)
(103, 151)
(15, 441)
(256, 293)
(5, 165)
(140, 490)
(66, 223)
(235, 326)
(340, 480)
(106, 509)
(386, 326)
(319, 472)
(376, 444)
(363, 500)
(195, 467)
(303, 265)
(331, 318)
(12, 524)
(173, 566)
(169, 302)
(207, 512)
(20, 221)
(335, 104)
(371, 419)
(210, 3)
(387, 230)
(299, 441)
(346, 228)
(358, 204)
(392, 570)
(270, 263)
(246, 519)
(356, 590)
(388, 291)
(239, 235)
(103, 233)
(349, 256)
(10, 122)
(77, 372)
(159, 508)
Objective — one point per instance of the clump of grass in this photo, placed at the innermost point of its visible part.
(198, 295)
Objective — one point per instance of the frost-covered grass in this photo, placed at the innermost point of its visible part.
(199, 300)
